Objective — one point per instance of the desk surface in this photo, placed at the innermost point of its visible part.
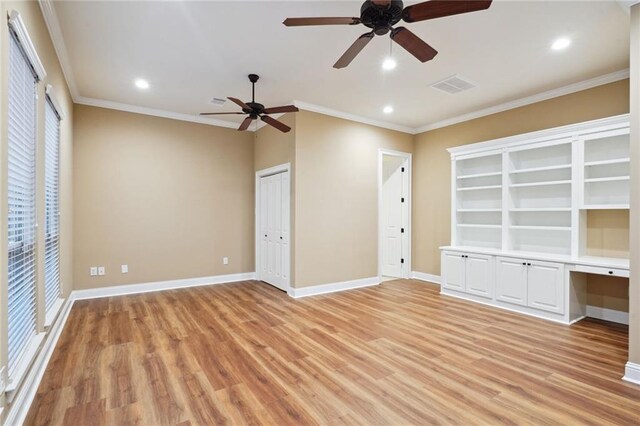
(603, 262)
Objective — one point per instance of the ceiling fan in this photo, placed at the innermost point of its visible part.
(382, 15)
(255, 110)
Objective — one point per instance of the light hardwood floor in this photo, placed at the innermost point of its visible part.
(394, 354)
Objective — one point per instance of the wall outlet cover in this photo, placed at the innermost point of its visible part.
(101, 271)
(225, 260)
(124, 269)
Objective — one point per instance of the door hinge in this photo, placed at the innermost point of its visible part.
(402, 169)
(402, 230)
(402, 200)
(401, 260)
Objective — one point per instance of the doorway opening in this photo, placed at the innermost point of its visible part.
(273, 226)
(394, 215)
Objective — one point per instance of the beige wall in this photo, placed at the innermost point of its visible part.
(168, 198)
(336, 174)
(273, 148)
(432, 165)
(32, 17)
(634, 285)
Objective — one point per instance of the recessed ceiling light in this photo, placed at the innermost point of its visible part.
(561, 43)
(389, 64)
(388, 109)
(142, 84)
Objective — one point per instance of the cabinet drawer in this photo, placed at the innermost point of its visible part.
(603, 271)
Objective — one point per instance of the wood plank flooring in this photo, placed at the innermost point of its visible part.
(394, 354)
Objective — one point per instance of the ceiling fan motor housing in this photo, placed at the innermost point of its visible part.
(381, 19)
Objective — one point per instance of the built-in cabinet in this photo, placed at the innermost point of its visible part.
(519, 209)
(471, 273)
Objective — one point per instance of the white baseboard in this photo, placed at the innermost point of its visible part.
(333, 287)
(435, 279)
(608, 314)
(122, 290)
(632, 373)
(22, 398)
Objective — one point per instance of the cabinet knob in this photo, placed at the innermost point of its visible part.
(524, 263)
(280, 237)
(610, 272)
(528, 264)
(265, 235)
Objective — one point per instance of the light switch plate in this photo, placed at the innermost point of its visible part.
(101, 270)
(225, 260)
(93, 271)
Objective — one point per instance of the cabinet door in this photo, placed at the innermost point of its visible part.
(546, 286)
(479, 275)
(453, 271)
(511, 280)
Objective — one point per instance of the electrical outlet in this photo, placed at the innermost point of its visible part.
(124, 269)
(93, 271)
(101, 270)
(225, 260)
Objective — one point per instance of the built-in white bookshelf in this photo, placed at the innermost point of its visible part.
(606, 170)
(479, 201)
(540, 192)
(530, 193)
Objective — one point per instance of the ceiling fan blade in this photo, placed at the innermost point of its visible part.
(276, 110)
(240, 103)
(275, 123)
(413, 44)
(245, 124)
(220, 113)
(440, 8)
(353, 51)
(302, 22)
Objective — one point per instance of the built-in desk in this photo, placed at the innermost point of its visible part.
(548, 286)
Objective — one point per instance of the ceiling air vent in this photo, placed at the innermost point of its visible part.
(454, 84)
(218, 101)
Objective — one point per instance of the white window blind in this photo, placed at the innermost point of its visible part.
(52, 205)
(21, 123)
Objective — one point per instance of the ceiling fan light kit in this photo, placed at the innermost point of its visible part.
(382, 15)
(255, 110)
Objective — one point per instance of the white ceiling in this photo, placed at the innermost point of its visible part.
(193, 51)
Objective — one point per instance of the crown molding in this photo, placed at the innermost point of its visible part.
(352, 117)
(154, 112)
(550, 94)
(55, 32)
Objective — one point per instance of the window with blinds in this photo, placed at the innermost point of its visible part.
(52, 205)
(21, 123)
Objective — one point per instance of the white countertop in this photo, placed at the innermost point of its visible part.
(603, 262)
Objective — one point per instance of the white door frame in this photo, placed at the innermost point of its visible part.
(406, 271)
(281, 168)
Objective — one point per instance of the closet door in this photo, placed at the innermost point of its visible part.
(274, 209)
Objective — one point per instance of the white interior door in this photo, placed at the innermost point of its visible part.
(393, 221)
(274, 230)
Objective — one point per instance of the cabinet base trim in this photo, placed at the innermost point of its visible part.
(422, 276)
(612, 315)
(500, 305)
